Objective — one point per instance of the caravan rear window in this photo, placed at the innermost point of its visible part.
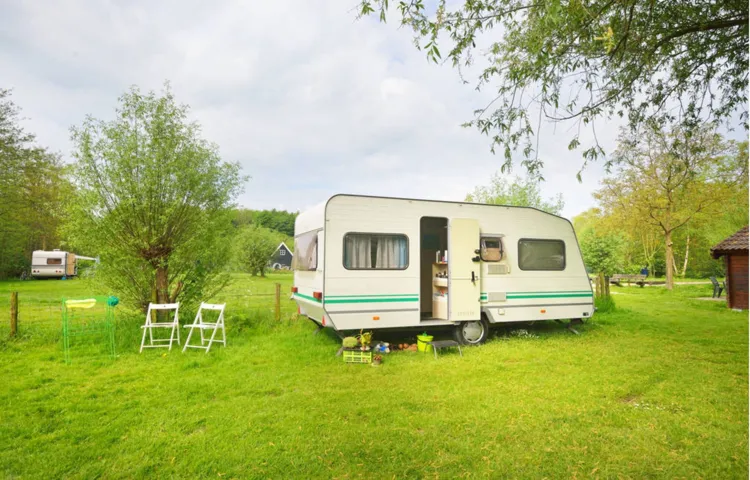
(375, 251)
(54, 261)
(541, 254)
(306, 251)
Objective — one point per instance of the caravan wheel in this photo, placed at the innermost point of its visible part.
(472, 333)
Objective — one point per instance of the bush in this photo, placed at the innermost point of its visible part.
(604, 304)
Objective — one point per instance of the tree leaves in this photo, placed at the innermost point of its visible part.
(517, 192)
(152, 194)
(668, 179)
(660, 61)
(32, 191)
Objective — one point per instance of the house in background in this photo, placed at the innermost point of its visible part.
(735, 250)
(282, 258)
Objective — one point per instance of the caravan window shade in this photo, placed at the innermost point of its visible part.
(538, 254)
(306, 252)
(491, 249)
(373, 251)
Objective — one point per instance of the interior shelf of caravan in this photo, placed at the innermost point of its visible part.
(440, 290)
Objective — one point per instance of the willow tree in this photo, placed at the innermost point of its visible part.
(585, 61)
(153, 200)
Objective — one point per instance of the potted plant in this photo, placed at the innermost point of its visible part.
(364, 340)
(357, 349)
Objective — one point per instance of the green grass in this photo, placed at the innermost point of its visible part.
(656, 388)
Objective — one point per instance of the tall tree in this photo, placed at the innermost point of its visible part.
(583, 61)
(602, 253)
(153, 200)
(279, 220)
(254, 247)
(668, 178)
(32, 188)
(518, 192)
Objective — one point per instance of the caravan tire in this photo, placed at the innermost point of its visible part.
(472, 333)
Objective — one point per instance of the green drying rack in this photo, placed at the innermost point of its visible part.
(93, 316)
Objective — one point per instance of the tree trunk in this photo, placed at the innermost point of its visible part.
(687, 252)
(669, 260)
(162, 289)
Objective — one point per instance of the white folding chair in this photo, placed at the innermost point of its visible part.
(202, 326)
(173, 325)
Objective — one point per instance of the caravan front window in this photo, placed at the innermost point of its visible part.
(371, 251)
(306, 251)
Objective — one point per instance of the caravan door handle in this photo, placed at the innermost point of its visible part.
(473, 280)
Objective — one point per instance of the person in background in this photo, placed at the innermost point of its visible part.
(644, 271)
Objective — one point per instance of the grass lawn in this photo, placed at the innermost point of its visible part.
(657, 388)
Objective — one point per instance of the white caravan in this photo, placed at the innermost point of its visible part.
(372, 263)
(55, 264)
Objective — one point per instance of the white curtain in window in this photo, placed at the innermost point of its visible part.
(391, 252)
(358, 252)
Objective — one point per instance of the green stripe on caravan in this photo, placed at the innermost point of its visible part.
(373, 299)
(369, 296)
(307, 297)
(524, 295)
(413, 297)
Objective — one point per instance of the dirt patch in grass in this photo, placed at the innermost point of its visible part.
(630, 398)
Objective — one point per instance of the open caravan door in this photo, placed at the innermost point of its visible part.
(463, 273)
(464, 286)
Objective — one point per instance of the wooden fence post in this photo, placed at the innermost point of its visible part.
(13, 314)
(278, 302)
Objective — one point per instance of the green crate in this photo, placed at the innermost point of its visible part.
(357, 356)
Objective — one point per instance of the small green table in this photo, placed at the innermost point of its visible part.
(438, 344)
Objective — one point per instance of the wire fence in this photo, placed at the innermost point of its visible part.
(39, 316)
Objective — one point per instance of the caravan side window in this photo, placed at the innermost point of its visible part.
(374, 251)
(541, 254)
(305, 251)
(491, 249)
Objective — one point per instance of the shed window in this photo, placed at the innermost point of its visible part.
(491, 249)
(373, 251)
(282, 252)
(305, 252)
(541, 254)
(54, 261)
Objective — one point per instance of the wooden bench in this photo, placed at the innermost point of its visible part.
(620, 278)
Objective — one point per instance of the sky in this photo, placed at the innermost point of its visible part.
(307, 98)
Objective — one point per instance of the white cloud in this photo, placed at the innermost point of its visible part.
(309, 100)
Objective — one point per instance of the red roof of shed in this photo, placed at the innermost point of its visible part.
(737, 243)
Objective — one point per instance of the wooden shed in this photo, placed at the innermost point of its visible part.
(282, 258)
(734, 250)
